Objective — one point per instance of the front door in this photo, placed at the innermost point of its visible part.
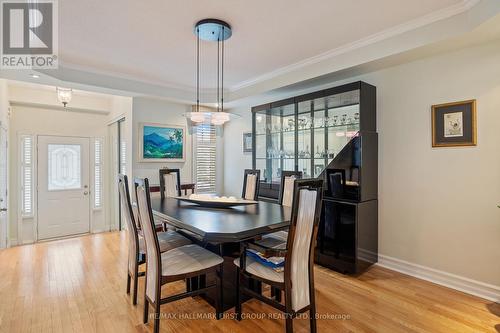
(3, 187)
(63, 186)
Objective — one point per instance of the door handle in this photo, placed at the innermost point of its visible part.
(85, 193)
(3, 209)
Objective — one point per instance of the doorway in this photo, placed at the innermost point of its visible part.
(63, 186)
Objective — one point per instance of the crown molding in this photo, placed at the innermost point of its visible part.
(422, 21)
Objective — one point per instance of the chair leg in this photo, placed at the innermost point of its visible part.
(134, 297)
(128, 283)
(312, 319)
(238, 295)
(276, 294)
(289, 323)
(146, 310)
(156, 328)
(219, 302)
(312, 310)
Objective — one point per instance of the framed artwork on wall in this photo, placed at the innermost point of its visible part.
(247, 142)
(454, 124)
(162, 143)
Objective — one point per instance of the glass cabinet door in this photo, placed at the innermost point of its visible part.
(303, 136)
(275, 146)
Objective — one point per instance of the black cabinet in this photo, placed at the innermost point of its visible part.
(347, 236)
(329, 134)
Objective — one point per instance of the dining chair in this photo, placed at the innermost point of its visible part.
(170, 183)
(181, 263)
(296, 280)
(251, 180)
(278, 239)
(136, 250)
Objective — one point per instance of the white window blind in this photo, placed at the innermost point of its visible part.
(98, 173)
(27, 175)
(205, 158)
(123, 157)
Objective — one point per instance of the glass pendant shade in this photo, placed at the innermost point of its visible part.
(197, 117)
(64, 95)
(219, 118)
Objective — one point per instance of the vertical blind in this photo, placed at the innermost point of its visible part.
(27, 175)
(98, 173)
(205, 158)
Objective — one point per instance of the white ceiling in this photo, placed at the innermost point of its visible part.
(147, 48)
(153, 41)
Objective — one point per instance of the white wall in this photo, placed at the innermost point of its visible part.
(4, 123)
(235, 161)
(4, 103)
(121, 108)
(38, 121)
(148, 110)
(437, 206)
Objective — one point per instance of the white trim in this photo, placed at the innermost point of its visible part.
(419, 22)
(466, 285)
(58, 107)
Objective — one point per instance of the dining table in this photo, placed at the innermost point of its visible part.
(221, 230)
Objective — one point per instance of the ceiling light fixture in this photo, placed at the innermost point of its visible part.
(212, 30)
(35, 76)
(64, 95)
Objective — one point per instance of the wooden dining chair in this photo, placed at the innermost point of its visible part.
(251, 181)
(181, 263)
(170, 183)
(136, 250)
(278, 239)
(297, 278)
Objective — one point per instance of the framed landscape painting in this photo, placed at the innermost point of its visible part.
(161, 143)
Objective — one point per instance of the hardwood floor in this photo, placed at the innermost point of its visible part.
(78, 285)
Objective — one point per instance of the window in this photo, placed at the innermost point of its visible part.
(64, 171)
(205, 158)
(26, 175)
(98, 173)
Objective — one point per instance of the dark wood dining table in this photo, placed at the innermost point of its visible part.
(221, 230)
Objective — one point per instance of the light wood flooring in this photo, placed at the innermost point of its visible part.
(78, 285)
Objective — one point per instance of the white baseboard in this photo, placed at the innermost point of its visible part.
(466, 285)
(12, 242)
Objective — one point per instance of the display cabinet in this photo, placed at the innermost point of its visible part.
(329, 134)
(304, 133)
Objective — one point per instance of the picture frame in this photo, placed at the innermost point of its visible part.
(454, 124)
(162, 143)
(247, 142)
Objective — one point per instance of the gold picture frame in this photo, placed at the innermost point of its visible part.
(454, 124)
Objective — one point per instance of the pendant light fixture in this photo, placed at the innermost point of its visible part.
(64, 95)
(212, 30)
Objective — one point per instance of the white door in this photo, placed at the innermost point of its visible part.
(3, 188)
(63, 186)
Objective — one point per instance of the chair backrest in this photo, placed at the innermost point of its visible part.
(170, 183)
(306, 210)
(153, 262)
(130, 220)
(251, 182)
(287, 185)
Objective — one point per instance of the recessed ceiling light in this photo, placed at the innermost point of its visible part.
(35, 76)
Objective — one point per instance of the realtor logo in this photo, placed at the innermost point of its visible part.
(29, 34)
